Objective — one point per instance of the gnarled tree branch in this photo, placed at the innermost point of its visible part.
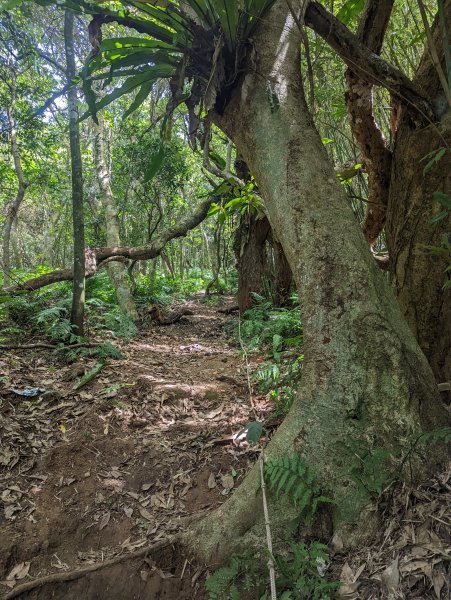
(359, 99)
(96, 257)
(365, 63)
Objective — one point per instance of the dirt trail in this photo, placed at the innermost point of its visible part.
(122, 463)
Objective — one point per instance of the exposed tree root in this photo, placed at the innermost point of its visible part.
(76, 574)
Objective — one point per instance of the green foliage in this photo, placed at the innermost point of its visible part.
(372, 469)
(300, 576)
(243, 200)
(242, 575)
(102, 352)
(280, 379)
(55, 323)
(274, 328)
(277, 331)
(438, 435)
(350, 11)
(295, 479)
(432, 159)
(117, 324)
(139, 64)
(301, 573)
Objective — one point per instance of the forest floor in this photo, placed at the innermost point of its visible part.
(125, 462)
(122, 463)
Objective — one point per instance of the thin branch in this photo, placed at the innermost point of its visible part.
(96, 256)
(51, 61)
(49, 346)
(51, 100)
(305, 41)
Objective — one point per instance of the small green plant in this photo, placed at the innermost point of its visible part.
(302, 573)
(294, 478)
(437, 435)
(372, 469)
(235, 581)
(280, 379)
(278, 332)
(53, 322)
(301, 576)
(275, 329)
(117, 324)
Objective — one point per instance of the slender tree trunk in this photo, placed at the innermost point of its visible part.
(182, 260)
(78, 289)
(116, 270)
(13, 208)
(365, 378)
(215, 259)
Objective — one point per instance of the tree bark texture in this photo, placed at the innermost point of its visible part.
(78, 289)
(253, 242)
(252, 260)
(369, 138)
(117, 271)
(14, 206)
(418, 271)
(365, 377)
(283, 276)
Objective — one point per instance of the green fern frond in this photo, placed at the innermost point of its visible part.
(293, 477)
(438, 435)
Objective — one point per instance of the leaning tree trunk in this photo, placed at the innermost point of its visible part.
(13, 208)
(78, 288)
(418, 269)
(117, 271)
(365, 377)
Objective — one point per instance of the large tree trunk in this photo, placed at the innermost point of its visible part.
(78, 288)
(14, 206)
(283, 276)
(364, 377)
(418, 271)
(253, 240)
(117, 271)
(252, 261)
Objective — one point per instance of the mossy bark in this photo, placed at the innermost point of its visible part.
(365, 377)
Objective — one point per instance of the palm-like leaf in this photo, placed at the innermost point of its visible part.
(171, 33)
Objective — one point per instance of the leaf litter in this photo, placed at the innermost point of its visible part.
(148, 443)
(95, 470)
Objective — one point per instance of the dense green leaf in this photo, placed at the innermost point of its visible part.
(155, 164)
(350, 10)
(144, 91)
